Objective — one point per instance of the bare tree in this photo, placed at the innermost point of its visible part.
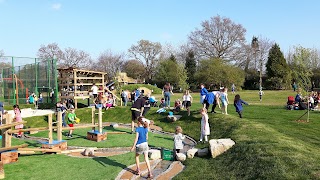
(248, 54)
(1, 53)
(147, 52)
(50, 51)
(109, 62)
(219, 37)
(71, 57)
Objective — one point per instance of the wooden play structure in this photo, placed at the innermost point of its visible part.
(76, 84)
(9, 154)
(124, 79)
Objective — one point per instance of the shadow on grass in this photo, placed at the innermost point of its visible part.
(103, 161)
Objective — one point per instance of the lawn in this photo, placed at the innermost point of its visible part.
(270, 143)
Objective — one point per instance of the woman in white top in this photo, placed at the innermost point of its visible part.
(187, 100)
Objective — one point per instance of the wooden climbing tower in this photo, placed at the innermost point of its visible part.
(76, 83)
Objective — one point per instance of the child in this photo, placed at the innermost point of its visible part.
(187, 100)
(205, 128)
(18, 118)
(71, 120)
(178, 139)
(260, 94)
(141, 144)
(162, 103)
(238, 104)
(224, 100)
(1, 112)
(311, 101)
(203, 93)
(177, 105)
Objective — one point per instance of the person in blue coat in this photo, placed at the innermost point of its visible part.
(238, 104)
(211, 98)
(203, 93)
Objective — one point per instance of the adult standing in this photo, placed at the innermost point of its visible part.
(294, 86)
(203, 93)
(136, 111)
(124, 97)
(94, 90)
(166, 92)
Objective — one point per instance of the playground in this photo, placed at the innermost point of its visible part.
(268, 140)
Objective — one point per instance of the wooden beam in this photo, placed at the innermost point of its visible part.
(50, 128)
(40, 149)
(94, 78)
(80, 127)
(117, 132)
(27, 130)
(95, 72)
(8, 125)
(13, 147)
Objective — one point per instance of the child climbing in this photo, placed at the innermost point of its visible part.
(205, 128)
(178, 139)
(18, 118)
(141, 145)
(238, 104)
(71, 120)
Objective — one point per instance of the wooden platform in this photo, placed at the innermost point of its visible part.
(96, 136)
(55, 145)
(9, 156)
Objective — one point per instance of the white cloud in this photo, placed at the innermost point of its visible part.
(56, 6)
(166, 36)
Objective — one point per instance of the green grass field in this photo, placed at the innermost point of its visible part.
(270, 144)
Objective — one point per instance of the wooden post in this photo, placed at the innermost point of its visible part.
(100, 120)
(7, 135)
(3, 131)
(75, 88)
(92, 116)
(59, 126)
(50, 128)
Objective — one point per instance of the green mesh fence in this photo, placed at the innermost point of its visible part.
(20, 77)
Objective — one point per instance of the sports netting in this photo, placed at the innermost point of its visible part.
(22, 76)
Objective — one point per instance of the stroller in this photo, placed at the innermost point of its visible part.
(153, 101)
(290, 103)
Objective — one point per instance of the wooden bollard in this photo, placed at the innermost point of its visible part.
(59, 126)
(100, 120)
(92, 117)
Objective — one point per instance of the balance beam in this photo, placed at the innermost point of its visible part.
(39, 149)
(13, 147)
(116, 132)
(29, 129)
(5, 126)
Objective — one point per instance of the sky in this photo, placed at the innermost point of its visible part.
(99, 25)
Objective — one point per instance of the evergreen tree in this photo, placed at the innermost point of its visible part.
(278, 71)
(191, 67)
(173, 58)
